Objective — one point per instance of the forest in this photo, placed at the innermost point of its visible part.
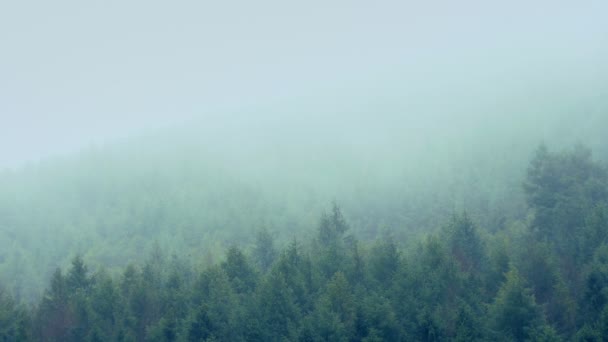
(542, 276)
(303, 170)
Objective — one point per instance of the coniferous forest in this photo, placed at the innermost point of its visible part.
(303, 171)
(539, 277)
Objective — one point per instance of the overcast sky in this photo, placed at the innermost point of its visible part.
(73, 73)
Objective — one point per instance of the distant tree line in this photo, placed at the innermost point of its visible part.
(541, 279)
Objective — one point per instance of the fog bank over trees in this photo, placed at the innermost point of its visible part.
(319, 171)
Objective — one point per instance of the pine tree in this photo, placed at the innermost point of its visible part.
(77, 278)
(264, 251)
(14, 321)
(514, 312)
(242, 276)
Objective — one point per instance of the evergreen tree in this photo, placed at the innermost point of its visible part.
(238, 270)
(264, 251)
(562, 189)
(514, 312)
(332, 252)
(55, 317)
(278, 310)
(384, 261)
(14, 320)
(200, 327)
(465, 244)
(105, 307)
(332, 226)
(77, 278)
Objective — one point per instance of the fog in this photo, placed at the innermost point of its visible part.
(74, 74)
(339, 131)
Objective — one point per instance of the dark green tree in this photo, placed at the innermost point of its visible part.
(200, 327)
(105, 306)
(336, 311)
(241, 274)
(384, 261)
(465, 244)
(14, 320)
(77, 278)
(332, 226)
(514, 312)
(279, 312)
(264, 250)
(331, 253)
(54, 316)
(562, 189)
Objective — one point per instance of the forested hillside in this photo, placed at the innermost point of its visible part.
(539, 277)
(198, 190)
(303, 170)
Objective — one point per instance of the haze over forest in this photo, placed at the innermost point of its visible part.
(186, 171)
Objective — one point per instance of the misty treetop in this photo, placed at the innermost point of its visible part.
(303, 171)
(543, 277)
(196, 192)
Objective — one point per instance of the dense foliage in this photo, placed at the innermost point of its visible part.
(543, 278)
(113, 204)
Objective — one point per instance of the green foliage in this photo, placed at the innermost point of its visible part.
(14, 320)
(384, 261)
(596, 283)
(464, 282)
(514, 312)
(77, 278)
(199, 326)
(332, 226)
(376, 319)
(279, 312)
(238, 270)
(562, 189)
(465, 244)
(264, 251)
(435, 293)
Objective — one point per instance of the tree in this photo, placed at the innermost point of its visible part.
(238, 270)
(200, 327)
(376, 318)
(357, 268)
(264, 251)
(54, 317)
(332, 226)
(336, 311)
(562, 188)
(426, 292)
(77, 278)
(468, 324)
(278, 310)
(296, 270)
(332, 253)
(105, 307)
(384, 261)
(14, 323)
(221, 303)
(514, 313)
(465, 244)
(596, 284)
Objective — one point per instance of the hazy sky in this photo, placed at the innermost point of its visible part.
(74, 73)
